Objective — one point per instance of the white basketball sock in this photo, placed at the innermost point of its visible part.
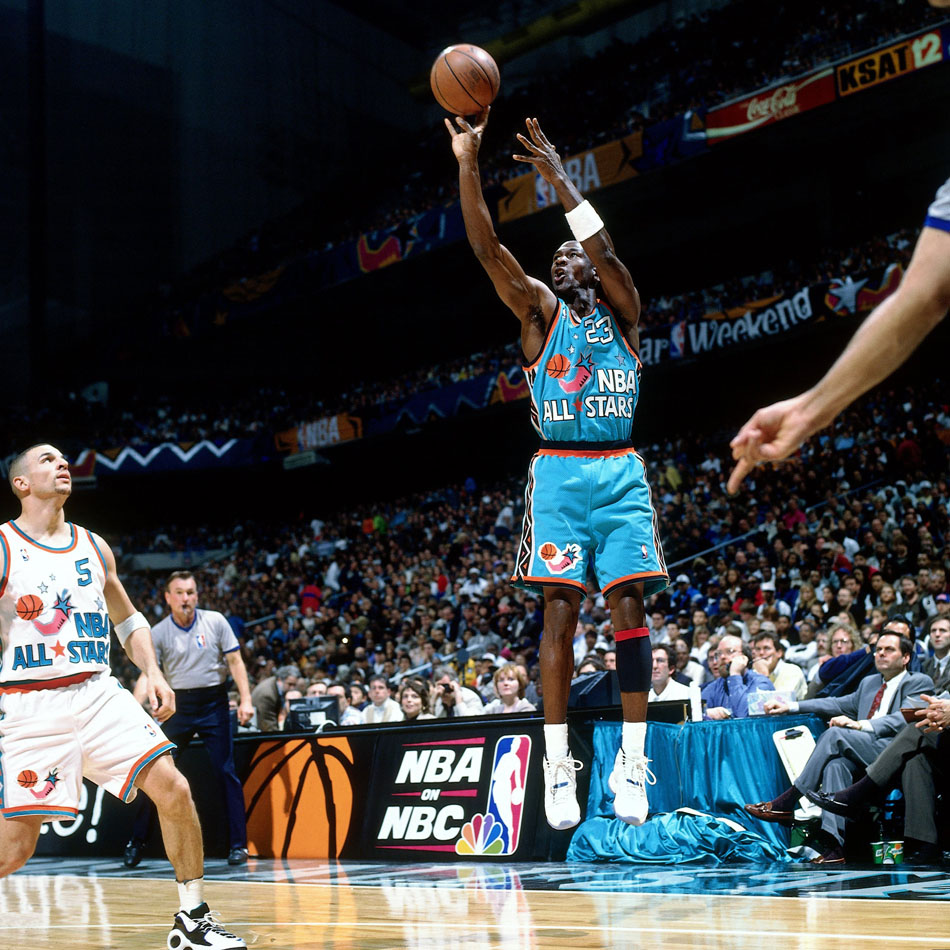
(634, 738)
(555, 741)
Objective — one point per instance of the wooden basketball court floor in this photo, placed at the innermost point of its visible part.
(79, 904)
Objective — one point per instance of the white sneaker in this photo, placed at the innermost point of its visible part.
(628, 781)
(560, 792)
(201, 930)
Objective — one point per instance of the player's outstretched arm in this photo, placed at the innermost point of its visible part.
(614, 277)
(137, 643)
(527, 298)
(882, 343)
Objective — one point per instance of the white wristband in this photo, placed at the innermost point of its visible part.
(584, 221)
(124, 630)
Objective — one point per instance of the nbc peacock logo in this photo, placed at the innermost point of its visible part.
(497, 831)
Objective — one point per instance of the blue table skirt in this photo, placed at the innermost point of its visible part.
(713, 767)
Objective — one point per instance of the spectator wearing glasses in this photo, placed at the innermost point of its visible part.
(860, 726)
(728, 696)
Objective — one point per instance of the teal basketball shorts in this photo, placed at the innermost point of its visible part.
(589, 508)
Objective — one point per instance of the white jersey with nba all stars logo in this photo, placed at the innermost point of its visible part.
(53, 620)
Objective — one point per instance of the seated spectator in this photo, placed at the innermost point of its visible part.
(591, 663)
(268, 697)
(860, 725)
(319, 688)
(414, 698)
(937, 665)
(769, 660)
(348, 715)
(510, 685)
(687, 669)
(841, 674)
(382, 707)
(728, 696)
(449, 698)
(664, 687)
(485, 675)
(283, 719)
(358, 697)
(908, 756)
(804, 653)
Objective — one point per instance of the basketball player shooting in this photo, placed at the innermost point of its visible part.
(587, 501)
(62, 714)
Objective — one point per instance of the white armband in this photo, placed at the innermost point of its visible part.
(584, 221)
(124, 630)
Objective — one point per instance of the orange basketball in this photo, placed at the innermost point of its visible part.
(558, 366)
(548, 551)
(464, 79)
(29, 607)
(27, 778)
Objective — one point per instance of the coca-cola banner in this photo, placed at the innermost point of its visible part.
(889, 62)
(770, 105)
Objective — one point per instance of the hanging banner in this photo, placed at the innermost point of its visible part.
(882, 65)
(320, 433)
(770, 105)
(590, 170)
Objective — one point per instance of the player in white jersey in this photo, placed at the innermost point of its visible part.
(62, 714)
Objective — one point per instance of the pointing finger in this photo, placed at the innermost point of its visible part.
(743, 467)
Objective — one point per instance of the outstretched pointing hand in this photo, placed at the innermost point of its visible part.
(772, 434)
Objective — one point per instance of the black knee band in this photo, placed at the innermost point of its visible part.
(634, 660)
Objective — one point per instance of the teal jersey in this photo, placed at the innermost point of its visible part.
(585, 383)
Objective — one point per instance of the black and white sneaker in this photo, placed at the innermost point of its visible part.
(200, 929)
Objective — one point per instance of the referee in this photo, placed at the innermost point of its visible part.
(196, 650)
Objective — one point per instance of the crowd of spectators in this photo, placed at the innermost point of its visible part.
(852, 532)
(688, 65)
(148, 418)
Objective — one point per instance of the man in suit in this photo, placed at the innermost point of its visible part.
(268, 697)
(861, 724)
(911, 754)
(937, 666)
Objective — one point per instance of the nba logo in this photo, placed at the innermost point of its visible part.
(200, 640)
(507, 787)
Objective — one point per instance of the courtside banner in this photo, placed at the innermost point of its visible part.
(320, 433)
(889, 62)
(770, 105)
(590, 170)
(444, 794)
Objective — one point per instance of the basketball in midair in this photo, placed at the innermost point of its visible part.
(557, 366)
(464, 79)
(29, 607)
